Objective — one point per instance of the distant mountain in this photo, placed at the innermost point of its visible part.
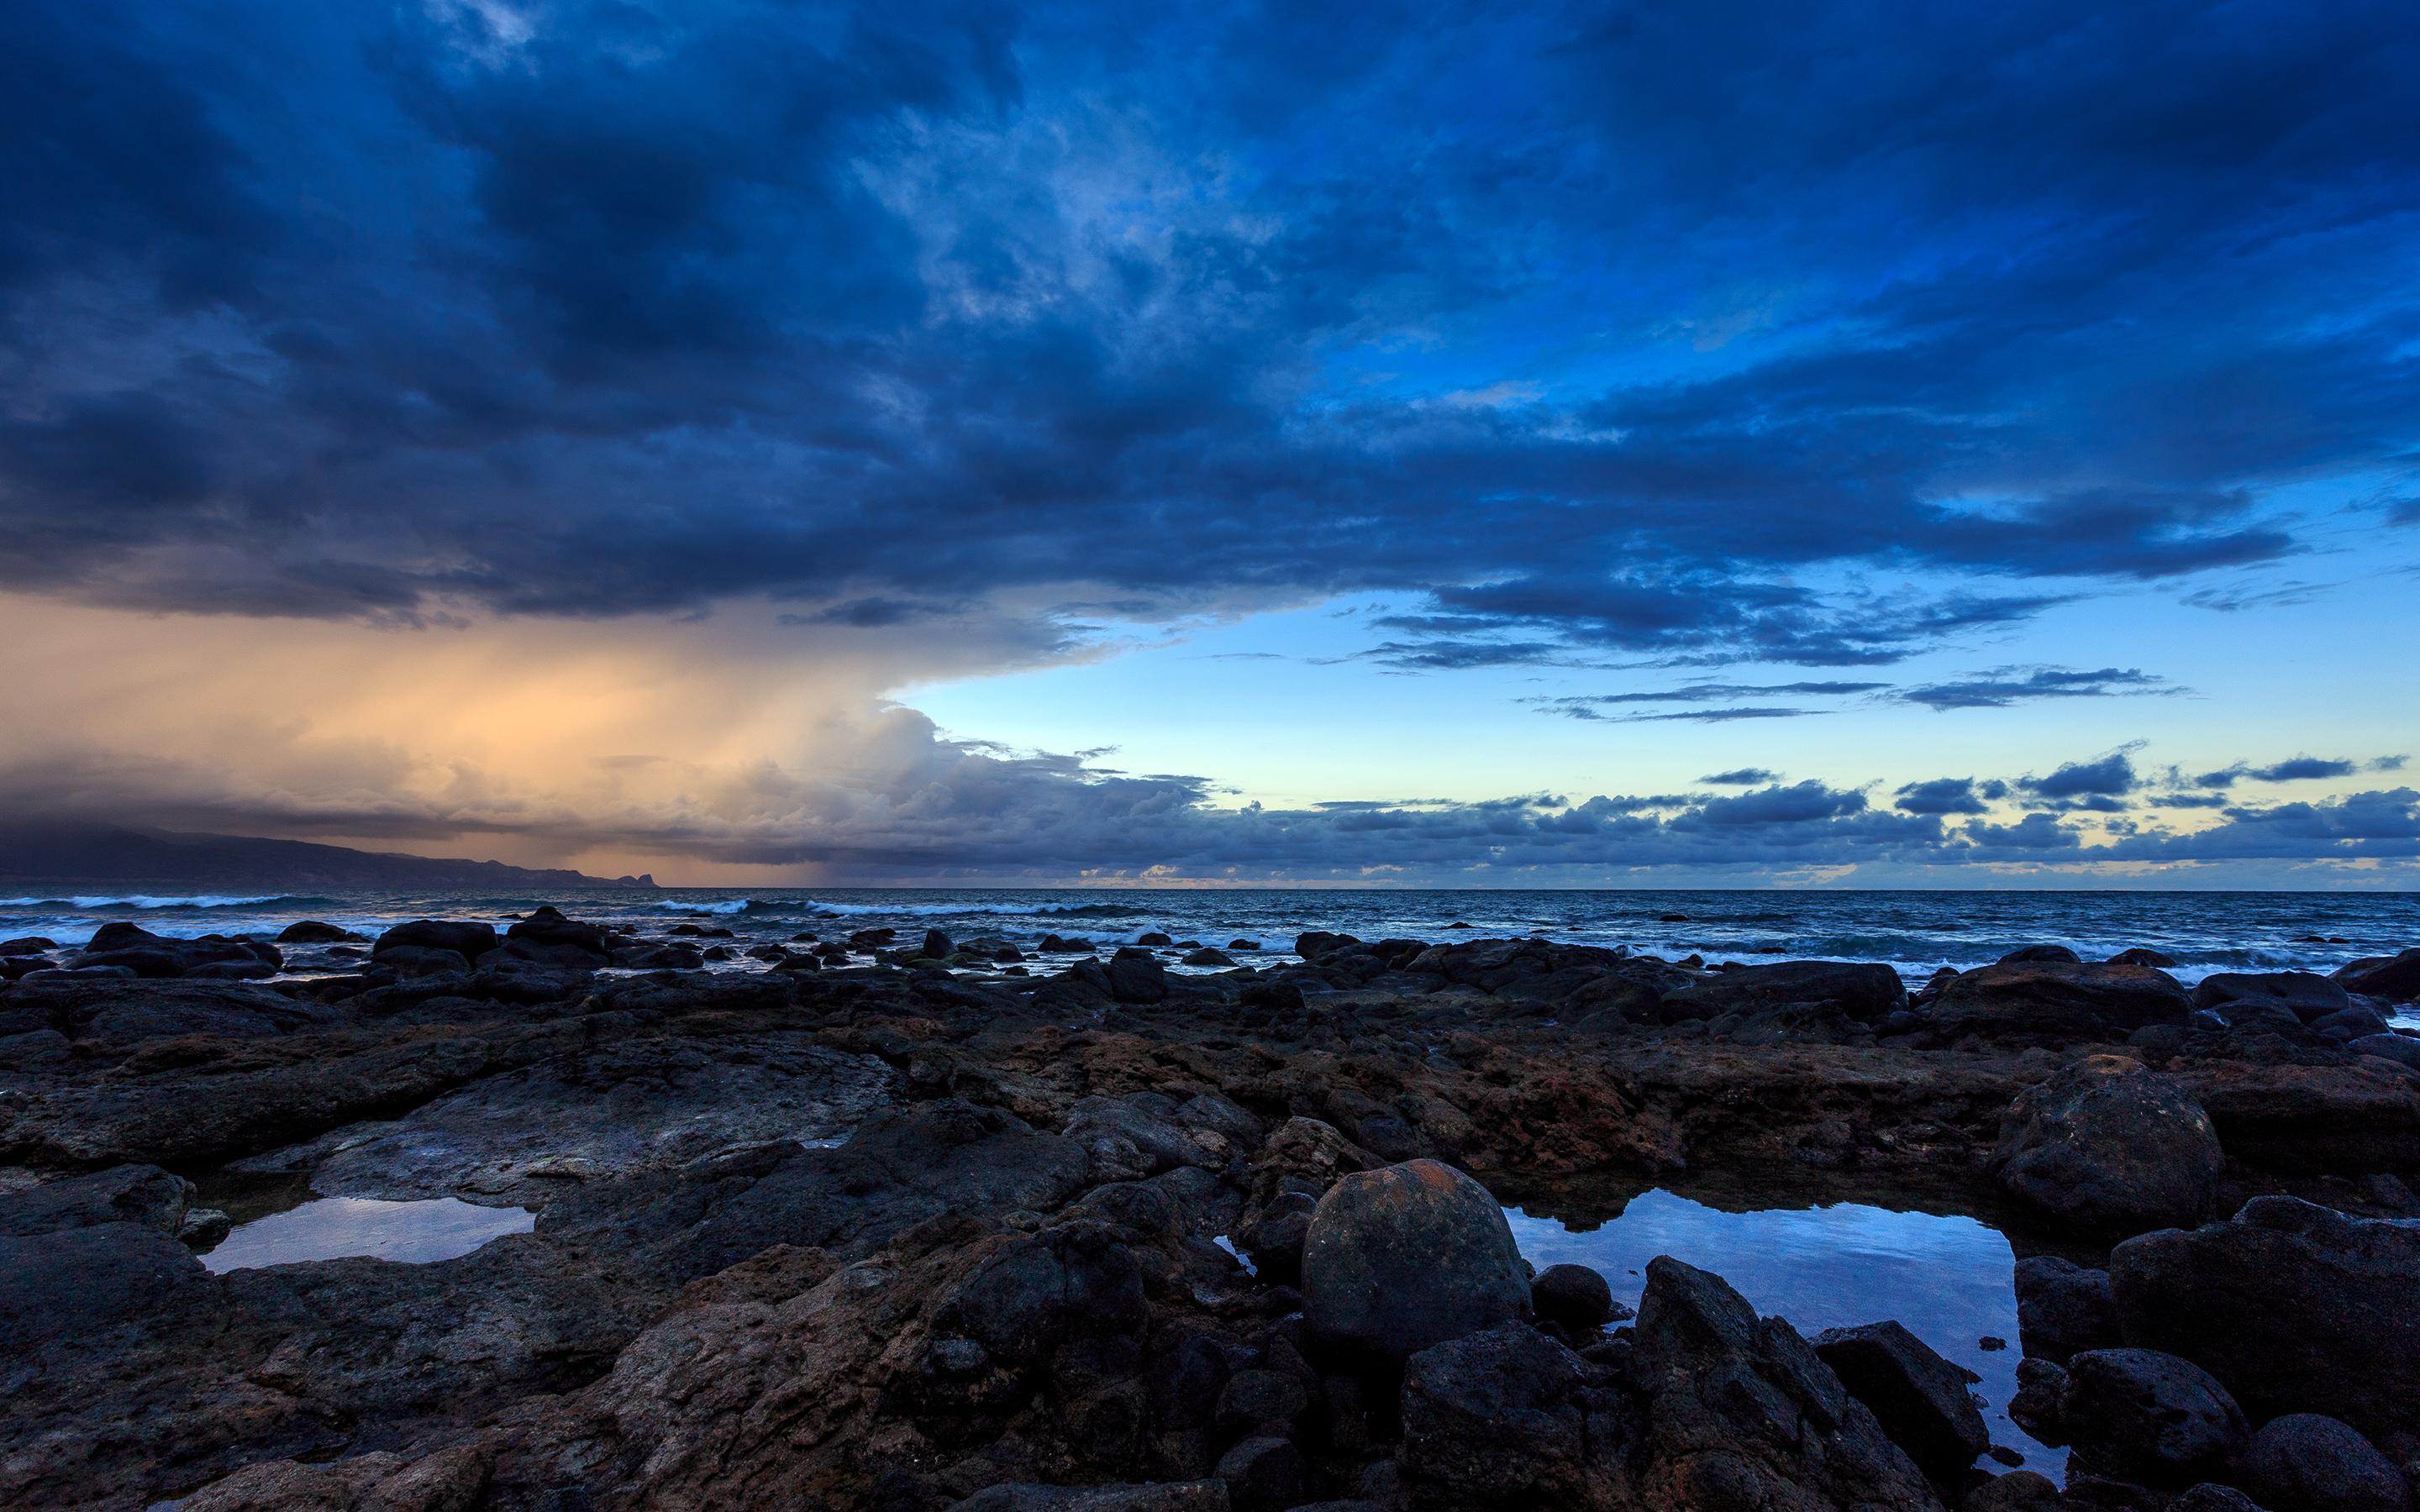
(85, 856)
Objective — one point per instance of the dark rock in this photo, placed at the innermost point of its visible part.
(2021, 1490)
(2351, 1024)
(1500, 1416)
(1408, 1256)
(314, 931)
(1742, 1413)
(142, 1195)
(2149, 1417)
(408, 963)
(2401, 1049)
(1173, 1496)
(2056, 1000)
(1242, 944)
(1072, 1281)
(111, 1007)
(2209, 1496)
(2295, 1307)
(2039, 953)
(1264, 1474)
(2306, 995)
(75, 1282)
(2318, 1464)
(27, 945)
(1574, 1296)
(2062, 1308)
(2041, 1387)
(1137, 975)
(937, 944)
(230, 971)
(1919, 1398)
(468, 940)
(2113, 1145)
(2141, 956)
(1865, 991)
(1387, 1137)
(1312, 944)
(1154, 937)
(1260, 1400)
(2395, 979)
(204, 1227)
(1209, 957)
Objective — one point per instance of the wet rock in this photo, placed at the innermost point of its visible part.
(1274, 1237)
(117, 1010)
(1209, 956)
(1137, 975)
(1261, 1400)
(2030, 953)
(1742, 1413)
(1574, 1296)
(2149, 1417)
(80, 1284)
(1501, 1416)
(2110, 1145)
(2310, 1120)
(2318, 1464)
(594, 1115)
(2211, 1497)
(2143, 956)
(468, 940)
(1156, 1127)
(2306, 995)
(2351, 1024)
(314, 931)
(2395, 979)
(142, 1195)
(1919, 1398)
(123, 944)
(204, 1227)
(1866, 992)
(1408, 1256)
(2401, 1049)
(1179, 1496)
(2295, 1307)
(380, 1481)
(937, 944)
(2063, 1309)
(2058, 1000)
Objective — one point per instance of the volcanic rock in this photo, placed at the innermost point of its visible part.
(2063, 1309)
(2395, 979)
(1919, 1398)
(142, 1195)
(468, 940)
(1866, 992)
(2056, 1000)
(1574, 1296)
(2149, 1417)
(2113, 1145)
(2316, 1463)
(2306, 995)
(1404, 1258)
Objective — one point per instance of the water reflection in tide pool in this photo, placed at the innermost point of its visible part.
(1950, 1280)
(333, 1228)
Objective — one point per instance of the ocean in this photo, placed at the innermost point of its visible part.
(1916, 931)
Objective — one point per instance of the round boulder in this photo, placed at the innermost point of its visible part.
(1574, 1296)
(2319, 1464)
(2148, 1417)
(1404, 1258)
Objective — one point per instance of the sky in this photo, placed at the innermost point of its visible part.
(1709, 444)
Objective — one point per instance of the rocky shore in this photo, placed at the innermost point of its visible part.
(915, 1224)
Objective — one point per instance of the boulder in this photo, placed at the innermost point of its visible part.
(2318, 1464)
(2306, 995)
(1500, 1416)
(1574, 1296)
(142, 1195)
(2296, 1307)
(2395, 978)
(1865, 991)
(1408, 1257)
(71, 1282)
(1264, 1474)
(937, 944)
(2019, 1490)
(230, 971)
(1741, 1413)
(2058, 999)
(1260, 1400)
(1137, 976)
(2024, 955)
(1153, 1124)
(113, 1009)
(2401, 1049)
(1919, 1398)
(2112, 1145)
(2141, 956)
(314, 931)
(2062, 1308)
(409, 962)
(2148, 1417)
(2350, 1024)
(468, 940)
(2209, 1496)
(123, 944)
(1209, 956)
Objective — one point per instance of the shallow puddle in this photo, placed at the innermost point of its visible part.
(333, 1228)
(1950, 1280)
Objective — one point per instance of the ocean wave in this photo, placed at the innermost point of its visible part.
(1093, 911)
(92, 900)
(736, 905)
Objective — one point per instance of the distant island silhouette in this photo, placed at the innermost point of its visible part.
(62, 856)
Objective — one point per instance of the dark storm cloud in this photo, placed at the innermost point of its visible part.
(2383, 825)
(1950, 795)
(2003, 687)
(1745, 777)
(352, 309)
(2295, 769)
(2111, 776)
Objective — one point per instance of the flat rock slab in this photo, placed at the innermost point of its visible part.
(615, 1110)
